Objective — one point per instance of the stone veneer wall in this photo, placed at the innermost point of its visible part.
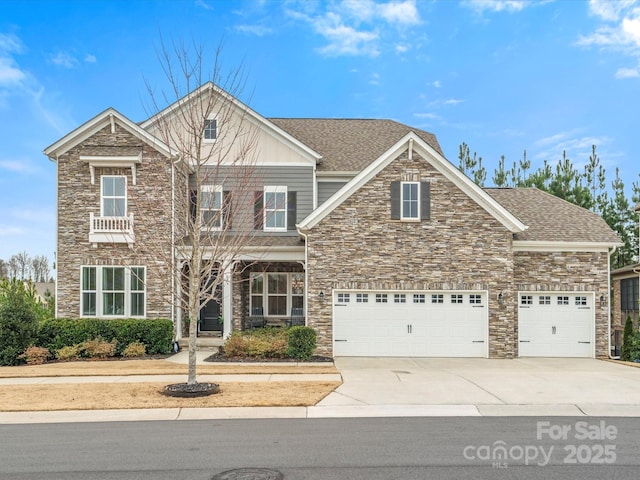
(570, 272)
(149, 201)
(461, 247)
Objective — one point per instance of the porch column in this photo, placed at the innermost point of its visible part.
(227, 297)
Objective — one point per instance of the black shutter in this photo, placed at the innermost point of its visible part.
(226, 210)
(291, 210)
(193, 205)
(425, 200)
(258, 207)
(395, 200)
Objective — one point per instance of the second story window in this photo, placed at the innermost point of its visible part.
(113, 196)
(211, 207)
(210, 129)
(410, 202)
(275, 209)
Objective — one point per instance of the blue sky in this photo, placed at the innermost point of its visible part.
(503, 76)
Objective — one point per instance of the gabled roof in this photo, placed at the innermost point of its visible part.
(635, 268)
(349, 145)
(552, 219)
(109, 117)
(415, 142)
(210, 88)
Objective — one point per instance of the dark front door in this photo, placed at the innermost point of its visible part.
(211, 313)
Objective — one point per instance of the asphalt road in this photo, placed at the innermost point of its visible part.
(354, 449)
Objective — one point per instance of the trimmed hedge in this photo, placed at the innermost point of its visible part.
(301, 342)
(156, 334)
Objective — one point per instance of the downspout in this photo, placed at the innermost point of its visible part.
(613, 250)
(306, 274)
(55, 255)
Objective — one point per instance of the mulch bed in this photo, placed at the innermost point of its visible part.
(221, 357)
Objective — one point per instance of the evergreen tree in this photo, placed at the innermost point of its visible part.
(627, 340)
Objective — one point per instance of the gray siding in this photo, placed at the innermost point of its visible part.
(326, 189)
(243, 184)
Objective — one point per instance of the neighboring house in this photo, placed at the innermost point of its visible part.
(625, 299)
(386, 246)
(45, 291)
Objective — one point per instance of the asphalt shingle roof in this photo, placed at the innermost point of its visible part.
(552, 219)
(349, 145)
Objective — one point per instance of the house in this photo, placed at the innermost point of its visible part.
(388, 249)
(625, 299)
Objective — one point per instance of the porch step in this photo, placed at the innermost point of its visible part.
(203, 343)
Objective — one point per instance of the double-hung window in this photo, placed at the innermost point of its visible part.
(113, 291)
(211, 207)
(279, 292)
(275, 209)
(113, 196)
(410, 201)
(210, 130)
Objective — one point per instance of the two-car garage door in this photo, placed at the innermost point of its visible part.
(420, 324)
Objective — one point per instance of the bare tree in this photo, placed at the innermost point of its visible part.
(214, 144)
(4, 269)
(20, 266)
(40, 268)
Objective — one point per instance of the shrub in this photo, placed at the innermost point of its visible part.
(35, 355)
(99, 348)
(18, 320)
(301, 342)
(260, 343)
(71, 352)
(627, 340)
(134, 349)
(156, 334)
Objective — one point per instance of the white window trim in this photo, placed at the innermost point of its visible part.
(265, 293)
(126, 203)
(127, 291)
(212, 140)
(417, 217)
(274, 189)
(212, 189)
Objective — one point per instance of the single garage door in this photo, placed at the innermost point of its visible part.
(552, 324)
(410, 324)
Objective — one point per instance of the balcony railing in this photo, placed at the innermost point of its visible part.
(111, 229)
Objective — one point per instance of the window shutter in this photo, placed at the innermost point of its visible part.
(291, 210)
(193, 205)
(226, 210)
(395, 200)
(425, 200)
(258, 207)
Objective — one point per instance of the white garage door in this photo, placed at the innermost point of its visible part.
(552, 324)
(404, 324)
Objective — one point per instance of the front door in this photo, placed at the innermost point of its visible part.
(211, 313)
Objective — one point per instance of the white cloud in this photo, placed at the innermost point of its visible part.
(428, 115)
(574, 142)
(620, 30)
(628, 73)
(88, 58)
(358, 27)
(453, 101)
(481, 6)
(435, 84)
(10, 72)
(64, 59)
(203, 4)
(375, 79)
(401, 13)
(18, 166)
(257, 30)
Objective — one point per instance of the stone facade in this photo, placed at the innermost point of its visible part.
(461, 247)
(149, 201)
(568, 272)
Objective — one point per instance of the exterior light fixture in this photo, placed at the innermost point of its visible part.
(603, 301)
(321, 296)
(501, 298)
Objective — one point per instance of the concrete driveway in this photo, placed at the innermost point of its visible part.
(541, 386)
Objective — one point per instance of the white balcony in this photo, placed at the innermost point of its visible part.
(111, 229)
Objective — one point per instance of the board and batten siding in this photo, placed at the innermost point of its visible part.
(326, 189)
(297, 179)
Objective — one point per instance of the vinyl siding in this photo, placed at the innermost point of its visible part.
(296, 179)
(326, 189)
